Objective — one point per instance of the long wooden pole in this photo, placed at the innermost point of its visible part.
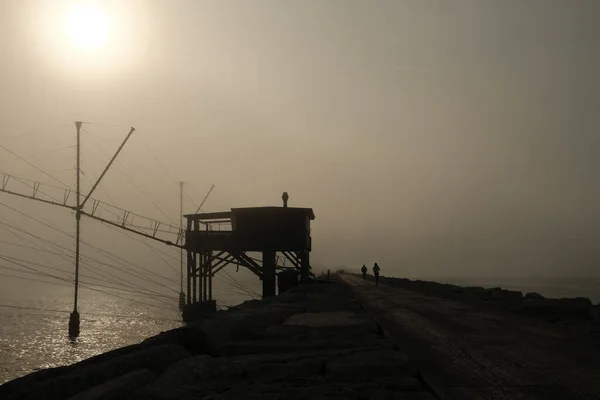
(107, 166)
(181, 227)
(74, 317)
(181, 292)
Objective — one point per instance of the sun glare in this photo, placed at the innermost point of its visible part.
(92, 38)
(87, 26)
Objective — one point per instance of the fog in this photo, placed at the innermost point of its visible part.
(436, 138)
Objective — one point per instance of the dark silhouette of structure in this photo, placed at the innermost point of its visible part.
(268, 230)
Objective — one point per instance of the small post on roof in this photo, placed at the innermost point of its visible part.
(285, 198)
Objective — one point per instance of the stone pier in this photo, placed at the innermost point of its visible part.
(314, 341)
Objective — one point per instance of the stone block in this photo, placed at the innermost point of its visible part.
(379, 394)
(195, 370)
(494, 293)
(514, 295)
(339, 318)
(172, 393)
(369, 366)
(288, 369)
(595, 312)
(191, 337)
(503, 295)
(541, 307)
(579, 307)
(120, 388)
(533, 295)
(27, 383)
(265, 347)
(155, 359)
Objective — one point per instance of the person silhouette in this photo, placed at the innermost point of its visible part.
(364, 271)
(376, 270)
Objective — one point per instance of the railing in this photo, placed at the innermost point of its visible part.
(213, 233)
(209, 240)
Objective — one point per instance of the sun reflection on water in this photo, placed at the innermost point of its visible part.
(32, 340)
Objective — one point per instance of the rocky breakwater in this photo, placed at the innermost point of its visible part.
(313, 342)
(530, 304)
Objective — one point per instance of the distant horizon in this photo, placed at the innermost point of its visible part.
(471, 277)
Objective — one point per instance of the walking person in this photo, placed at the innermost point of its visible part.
(376, 270)
(364, 271)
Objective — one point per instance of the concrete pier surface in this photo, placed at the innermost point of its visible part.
(473, 350)
(315, 341)
(350, 339)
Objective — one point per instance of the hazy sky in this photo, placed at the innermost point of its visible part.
(435, 137)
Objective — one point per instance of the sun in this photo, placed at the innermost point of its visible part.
(87, 26)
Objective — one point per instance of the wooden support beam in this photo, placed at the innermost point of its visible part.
(210, 276)
(292, 257)
(305, 267)
(249, 263)
(223, 262)
(194, 277)
(223, 266)
(268, 273)
(204, 276)
(189, 269)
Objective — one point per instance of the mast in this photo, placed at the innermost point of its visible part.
(74, 317)
(181, 292)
